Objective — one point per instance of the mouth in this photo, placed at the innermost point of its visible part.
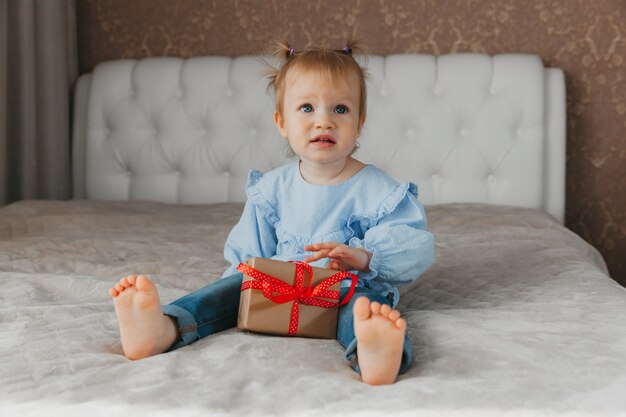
(323, 139)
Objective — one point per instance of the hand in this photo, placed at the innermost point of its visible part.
(342, 257)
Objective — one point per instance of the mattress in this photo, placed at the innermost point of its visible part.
(517, 317)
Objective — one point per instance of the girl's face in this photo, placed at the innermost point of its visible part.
(320, 119)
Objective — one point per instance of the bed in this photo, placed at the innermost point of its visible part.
(518, 316)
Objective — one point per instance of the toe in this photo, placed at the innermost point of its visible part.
(394, 315)
(125, 283)
(401, 324)
(119, 287)
(375, 307)
(385, 310)
(113, 292)
(132, 279)
(361, 309)
(144, 284)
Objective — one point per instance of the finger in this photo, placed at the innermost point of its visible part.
(348, 252)
(317, 256)
(335, 253)
(341, 250)
(313, 257)
(340, 255)
(321, 245)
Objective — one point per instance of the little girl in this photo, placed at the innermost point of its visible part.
(325, 208)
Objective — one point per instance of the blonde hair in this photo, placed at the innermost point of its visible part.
(332, 64)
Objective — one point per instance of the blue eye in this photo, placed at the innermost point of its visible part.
(306, 108)
(341, 109)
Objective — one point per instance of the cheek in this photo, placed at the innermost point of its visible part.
(297, 121)
(354, 123)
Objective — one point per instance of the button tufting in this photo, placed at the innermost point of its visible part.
(461, 141)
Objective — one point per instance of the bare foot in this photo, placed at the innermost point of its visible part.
(380, 333)
(144, 329)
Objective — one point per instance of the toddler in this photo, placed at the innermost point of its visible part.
(325, 208)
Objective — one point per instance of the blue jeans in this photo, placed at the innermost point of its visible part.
(215, 307)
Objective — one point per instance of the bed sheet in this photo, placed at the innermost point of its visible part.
(517, 317)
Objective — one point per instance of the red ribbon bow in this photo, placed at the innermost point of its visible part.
(298, 293)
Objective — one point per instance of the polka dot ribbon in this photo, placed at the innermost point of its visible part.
(298, 293)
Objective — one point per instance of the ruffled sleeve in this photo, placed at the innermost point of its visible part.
(402, 248)
(255, 233)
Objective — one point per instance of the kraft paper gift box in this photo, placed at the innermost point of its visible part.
(260, 314)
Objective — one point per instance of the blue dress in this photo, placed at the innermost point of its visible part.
(284, 213)
(370, 210)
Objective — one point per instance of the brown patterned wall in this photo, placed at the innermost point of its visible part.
(587, 39)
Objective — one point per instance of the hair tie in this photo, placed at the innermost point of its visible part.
(347, 50)
(292, 51)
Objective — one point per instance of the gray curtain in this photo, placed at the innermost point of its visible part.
(38, 67)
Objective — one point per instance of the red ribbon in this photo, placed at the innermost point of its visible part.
(298, 293)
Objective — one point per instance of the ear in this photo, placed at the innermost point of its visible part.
(280, 124)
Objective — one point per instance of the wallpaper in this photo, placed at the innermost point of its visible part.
(586, 39)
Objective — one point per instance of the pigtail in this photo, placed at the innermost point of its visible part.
(354, 47)
(282, 53)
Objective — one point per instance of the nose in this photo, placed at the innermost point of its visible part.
(324, 120)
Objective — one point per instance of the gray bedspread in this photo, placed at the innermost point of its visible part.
(517, 317)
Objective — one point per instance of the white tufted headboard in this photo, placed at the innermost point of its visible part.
(464, 127)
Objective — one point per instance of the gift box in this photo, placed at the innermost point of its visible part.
(279, 298)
